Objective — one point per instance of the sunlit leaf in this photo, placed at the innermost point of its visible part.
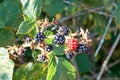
(60, 69)
(25, 27)
(31, 71)
(32, 8)
(6, 65)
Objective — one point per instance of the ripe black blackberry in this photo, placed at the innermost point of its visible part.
(28, 40)
(90, 35)
(64, 30)
(69, 54)
(40, 37)
(81, 48)
(59, 39)
(42, 58)
(49, 47)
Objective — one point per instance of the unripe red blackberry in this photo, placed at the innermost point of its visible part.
(64, 30)
(40, 37)
(49, 47)
(59, 39)
(69, 54)
(72, 44)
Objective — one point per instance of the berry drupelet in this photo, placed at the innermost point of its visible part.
(40, 37)
(59, 39)
(64, 30)
(49, 47)
(69, 54)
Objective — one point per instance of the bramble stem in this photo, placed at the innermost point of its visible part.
(103, 37)
(108, 57)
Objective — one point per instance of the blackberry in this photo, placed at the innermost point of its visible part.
(81, 48)
(21, 51)
(28, 40)
(64, 30)
(49, 47)
(69, 54)
(59, 39)
(72, 44)
(40, 37)
(56, 27)
(42, 58)
(90, 35)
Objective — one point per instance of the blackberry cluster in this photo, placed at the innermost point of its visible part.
(28, 40)
(59, 39)
(42, 58)
(40, 37)
(64, 30)
(49, 47)
(69, 54)
(81, 48)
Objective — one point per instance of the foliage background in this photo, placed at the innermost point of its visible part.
(18, 18)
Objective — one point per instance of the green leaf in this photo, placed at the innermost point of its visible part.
(116, 14)
(60, 69)
(2, 24)
(114, 71)
(58, 50)
(99, 24)
(48, 32)
(51, 67)
(53, 7)
(32, 8)
(108, 4)
(49, 40)
(35, 54)
(31, 71)
(6, 65)
(83, 62)
(7, 37)
(9, 13)
(25, 27)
